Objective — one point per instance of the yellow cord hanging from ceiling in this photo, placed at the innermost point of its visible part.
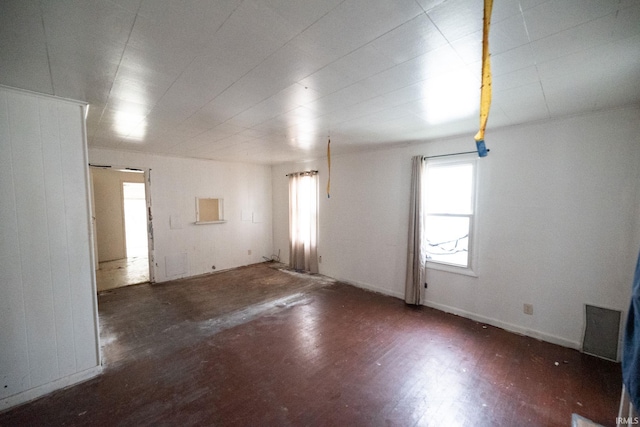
(329, 167)
(485, 89)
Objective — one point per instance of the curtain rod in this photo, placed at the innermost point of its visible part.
(453, 154)
(311, 172)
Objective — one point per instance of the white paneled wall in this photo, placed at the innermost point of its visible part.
(181, 248)
(558, 223)
(48, 333)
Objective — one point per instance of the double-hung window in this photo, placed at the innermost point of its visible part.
(449, 195)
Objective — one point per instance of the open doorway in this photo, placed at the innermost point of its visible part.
(121, 227)
(135, 219)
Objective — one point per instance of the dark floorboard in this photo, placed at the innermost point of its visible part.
(259, 346)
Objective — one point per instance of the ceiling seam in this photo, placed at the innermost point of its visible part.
(320, 69)
(249, 71)
(535, 61)
(46, 47)
(185, 69)
(124, 49)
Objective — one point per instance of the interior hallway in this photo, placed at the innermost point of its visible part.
(122, 272)
(261, 345)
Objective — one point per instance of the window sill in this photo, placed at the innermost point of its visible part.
(451, 269)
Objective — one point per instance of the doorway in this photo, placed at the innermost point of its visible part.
(135, 219)
(121, 227)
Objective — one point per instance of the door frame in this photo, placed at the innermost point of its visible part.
(149, 215)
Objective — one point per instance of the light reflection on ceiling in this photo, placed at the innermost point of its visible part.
(267, 81)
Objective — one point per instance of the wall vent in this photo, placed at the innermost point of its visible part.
(602, 332)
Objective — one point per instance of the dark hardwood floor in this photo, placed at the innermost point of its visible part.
(260, 346)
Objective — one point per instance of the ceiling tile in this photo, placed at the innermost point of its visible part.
(275, 127)
(300, 14)
(129, 5)
(298, 125)
(449, 97)
(435, 63)
(523, 103)
(186, 24)
(253, 31)
(149, 34)
(326, 80)
(365, 108)
(528, 4)
(411, 39)
(469, 47)
(504, 10)
(513, 79)
(104, 141)
(204, 120)
(280, 103)
(507, 34)
(256, 134)
(84, 75)
(457, 18)
(590, 34)
(388, 114)
(466, 126)
(582, 64)
(590, 86)
(142, 91)
(430, 65)
(625, 91)
(153, 67)
(362, 63)
(350, 95)
(289, 64)
(23, 53)
(229, 103)
(627, 19)
(557, 15)
(562, 98)
(86, 20)
(354, 23)
(512, 60)
(427, 5)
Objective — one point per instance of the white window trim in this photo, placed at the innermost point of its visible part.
(470, 270)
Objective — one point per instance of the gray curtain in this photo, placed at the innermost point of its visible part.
(303, 221)
(415, 253)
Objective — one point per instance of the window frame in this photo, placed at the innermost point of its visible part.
(470, 269)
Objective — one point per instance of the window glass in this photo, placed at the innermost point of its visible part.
(449, 205)
(447, 239)
(450, 189)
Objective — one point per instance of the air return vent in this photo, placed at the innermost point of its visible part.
(601, 332)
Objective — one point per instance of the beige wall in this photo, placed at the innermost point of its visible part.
(109, 213)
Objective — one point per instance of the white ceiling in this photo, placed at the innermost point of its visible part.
(267, 81)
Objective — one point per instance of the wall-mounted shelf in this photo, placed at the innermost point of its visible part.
(209, 222)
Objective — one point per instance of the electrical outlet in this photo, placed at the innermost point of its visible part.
(213, 267)
(425, 285)
(320, 259)
(249, 252)
(528, 309)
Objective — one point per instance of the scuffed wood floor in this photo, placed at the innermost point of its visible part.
(262, 346)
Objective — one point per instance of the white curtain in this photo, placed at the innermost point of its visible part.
(303, 221)
(415, 251)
